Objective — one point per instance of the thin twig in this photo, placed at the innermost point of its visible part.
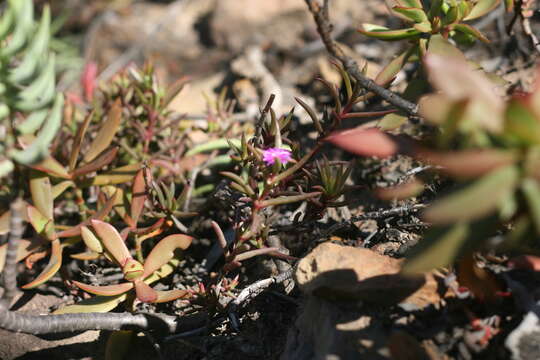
(10, 268)
(324, 28)
(256, 288)
(375, 215)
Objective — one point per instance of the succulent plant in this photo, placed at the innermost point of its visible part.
(27, 86)
(108, 240)
(489, 146)
(428, 21)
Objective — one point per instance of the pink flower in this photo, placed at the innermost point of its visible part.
(270, 155)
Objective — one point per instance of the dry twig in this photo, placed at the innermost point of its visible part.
(324, 28)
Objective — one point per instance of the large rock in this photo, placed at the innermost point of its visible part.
(333, 271)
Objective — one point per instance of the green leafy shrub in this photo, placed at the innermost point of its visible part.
(30, 107)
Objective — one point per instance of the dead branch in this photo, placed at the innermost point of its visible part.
(324, 28)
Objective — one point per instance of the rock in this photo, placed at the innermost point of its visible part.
(523, 341)
(167, 33)
(333, 271)
(282, 23)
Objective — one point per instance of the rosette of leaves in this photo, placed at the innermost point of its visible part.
(30, 106)
(424, 20)
(136, 274)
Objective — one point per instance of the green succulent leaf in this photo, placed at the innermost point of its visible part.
(416, 15)
(410, 3)
(475, 200)
(96, 304)
(481, 8)
(106, 133)
(163, 252)
(41, 190)
(91, 240)
(531, 190)
(469, 30)
(112, 241)
(522, 122)
(55, 261)
(438, 248)
(383, 33)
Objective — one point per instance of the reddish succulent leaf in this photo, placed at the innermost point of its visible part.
(364, 142)
(100, 162)
(525, 262)
(100, 215)
(458, 81)
(401, 191)
(107, 290)
(112, 241)
(476, 200)
(52, 167)
(26, 247)
(106, 133)
(482, 283)
(150, 229)
(88, 80)
(164, 296)
(144, 292)
(40, 187)
(35, 257)
(256, 252)
(55, 261)
(139, 194)
(4, 222)
(164, 251)
(77, 141)
(467, 163)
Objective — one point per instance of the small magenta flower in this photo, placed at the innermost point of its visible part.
(270, 156)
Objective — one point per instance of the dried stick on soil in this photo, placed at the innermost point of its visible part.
(256, 288)
(375, 215)
(54, 324)
(252, 291)
(324, 28)
(10, 268)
